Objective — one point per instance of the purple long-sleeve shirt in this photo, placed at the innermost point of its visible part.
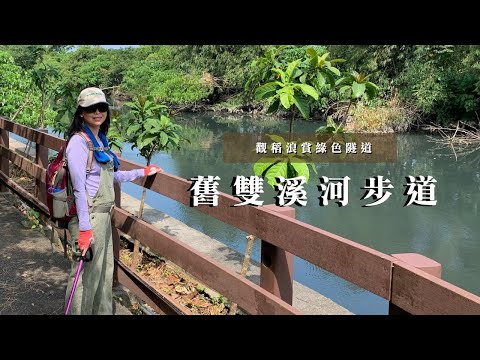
(77, 156)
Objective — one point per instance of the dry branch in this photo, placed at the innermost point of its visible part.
(462, 134)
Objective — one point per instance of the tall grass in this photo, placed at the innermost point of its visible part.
(392, 117)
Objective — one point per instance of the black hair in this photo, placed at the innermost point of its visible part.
(77, 123)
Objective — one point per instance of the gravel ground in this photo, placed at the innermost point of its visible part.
(32, 278)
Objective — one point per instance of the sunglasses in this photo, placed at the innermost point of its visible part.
(93, 108)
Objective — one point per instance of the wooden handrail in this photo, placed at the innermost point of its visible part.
(409, 288)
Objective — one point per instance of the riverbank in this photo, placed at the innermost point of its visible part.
(392, 117)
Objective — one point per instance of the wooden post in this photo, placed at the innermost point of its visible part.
(115, 234)
(41, 159)
(420, 262)
(276, 271)
(4, 163)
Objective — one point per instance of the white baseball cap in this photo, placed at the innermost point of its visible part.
(91, 96)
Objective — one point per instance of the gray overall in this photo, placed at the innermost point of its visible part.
(93, 295)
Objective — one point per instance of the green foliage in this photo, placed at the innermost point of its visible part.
(286, 90)
(88, 66)
(200, 288)
(299, 82)
(115, 134)
(313, 68)
(330, 128)
(13, 85)
(32, 220)
(443, 81)
(384, 62)
(357, 85)
(335, 132)
(381, 60)
(179, 88)
(151, 130)
(160, 75)
(286, 85)
(440, 81)
(137, 80)
(92, 66)
(319, 70)
(66, 105)
(218, 300)
(260, 70)
(27, 56)
(43, 75)
(286, 165)
(17, 98)
(122, 60)
(224, 62)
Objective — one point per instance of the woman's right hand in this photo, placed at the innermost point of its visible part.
(151, 169)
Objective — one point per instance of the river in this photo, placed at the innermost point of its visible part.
(447, 232)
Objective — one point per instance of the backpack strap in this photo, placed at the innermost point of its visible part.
(90, 150)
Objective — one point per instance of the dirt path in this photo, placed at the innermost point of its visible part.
(32, 279)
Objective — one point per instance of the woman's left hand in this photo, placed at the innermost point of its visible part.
(151, 169)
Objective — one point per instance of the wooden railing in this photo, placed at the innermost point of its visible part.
(407, 288)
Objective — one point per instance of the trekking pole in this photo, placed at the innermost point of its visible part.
(77, 275)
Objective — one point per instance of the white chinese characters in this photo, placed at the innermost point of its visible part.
(334, 188)
(420, 190)
(307, 148)
(248, 190)
(291, 191)
(376, 186)
(204, 190)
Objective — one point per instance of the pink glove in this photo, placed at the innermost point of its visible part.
(151, 169)
(84, 239)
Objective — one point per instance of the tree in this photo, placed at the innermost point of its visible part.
(19, 101)
(41, 76)
(65, 106)
(356, 85)
(284, 89)
(150, 130)
(287, 90)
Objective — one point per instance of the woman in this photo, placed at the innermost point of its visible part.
(94, 199)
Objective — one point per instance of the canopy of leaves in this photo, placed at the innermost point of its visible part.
(150, 130)
(160, 75)
(441, 81)
(16, 92)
